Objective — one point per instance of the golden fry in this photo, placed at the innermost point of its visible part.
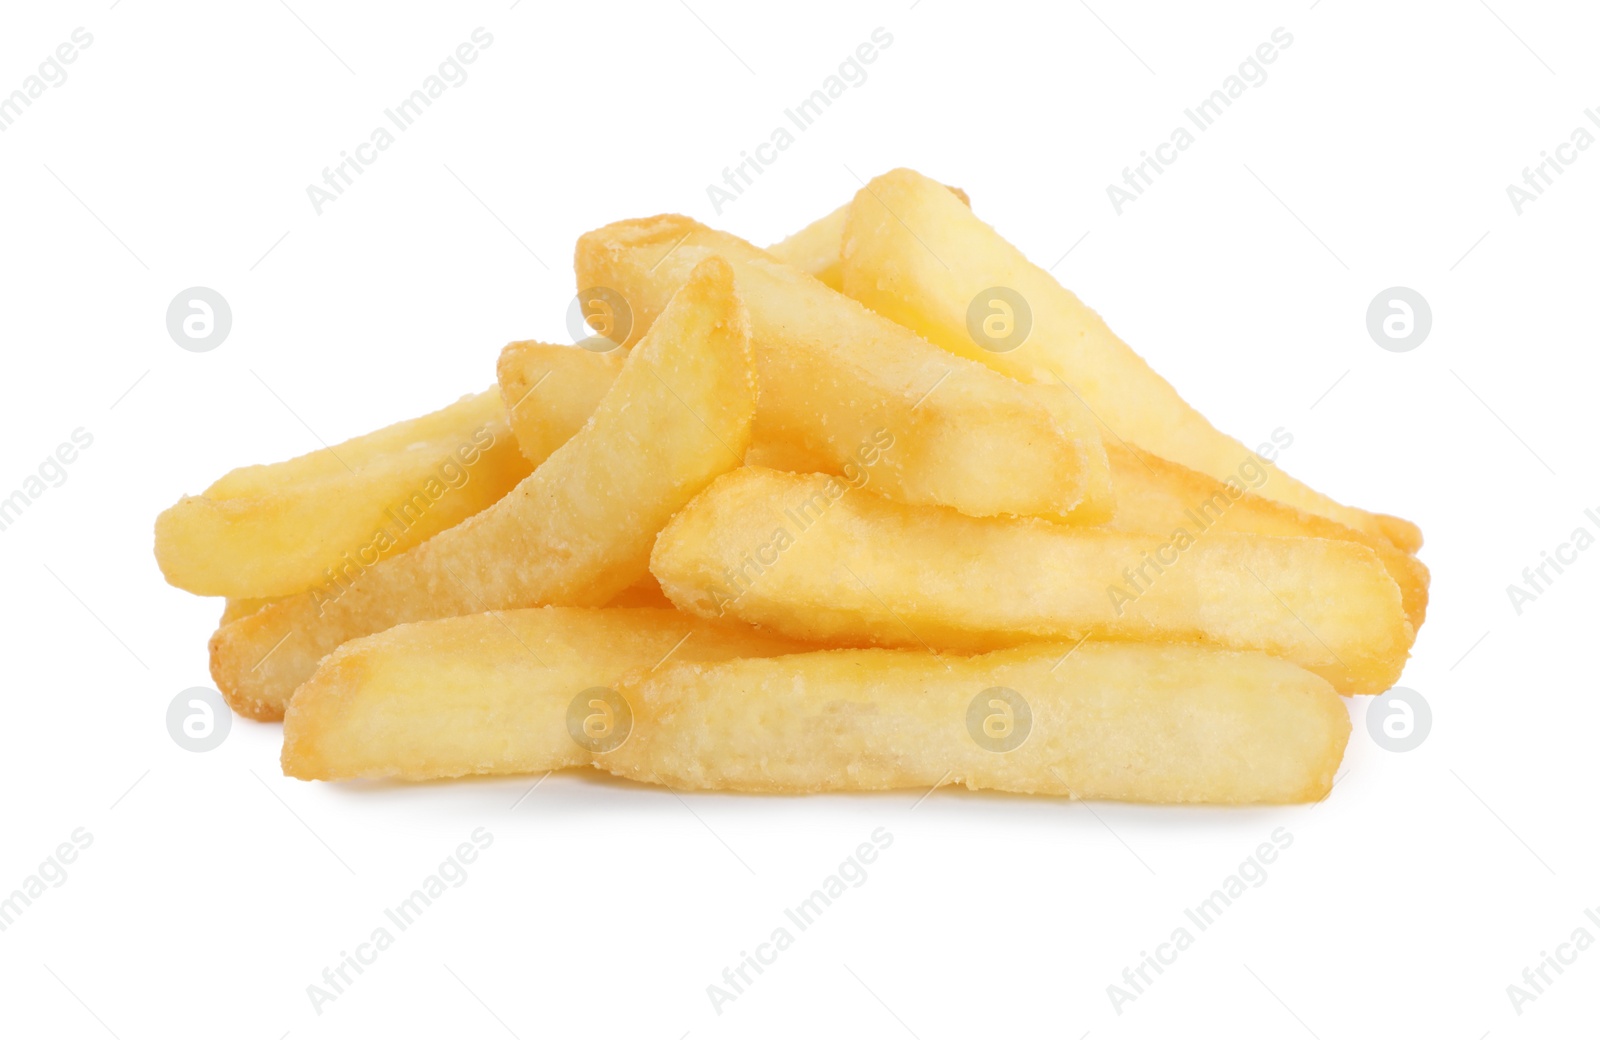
(914, 254)
(867, 395)
(550, 392)
(814, 559)
(274, 530)
(487, 693)
(1155, 496)
(814, 249)
(1128, 721)
(577, 531)
(234, 609)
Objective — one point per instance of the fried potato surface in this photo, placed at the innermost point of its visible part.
(1133, 722)
(916, 255)
(488, 694)
(1156, 496)
(274, 530)
(812, 558)
(865, 394)
(576, 532)
(234, 609)
(643, 593)
(814, 249)
(550, 391)
(1153, 495)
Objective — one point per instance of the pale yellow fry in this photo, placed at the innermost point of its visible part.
(234, 609)
(486, 693)
(274, 530)
(1152, 494)
(914, 254)
(527, 366)
(1155, 496)
(1132, 722)
(848, 386)
(550, 391)
(576, 532)
(447, 424)
(814, 249)
(808, 557)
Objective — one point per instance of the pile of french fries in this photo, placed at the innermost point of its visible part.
(881, 506)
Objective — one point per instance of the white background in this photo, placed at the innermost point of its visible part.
(1377, 153)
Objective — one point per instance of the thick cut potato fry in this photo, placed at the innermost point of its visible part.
(1155, 496)
(274, 530)
(1405, 535)
(1132, 721)
(867, 395)
(814, 249)
(234, 609)
(576, 532)
(811, 558)
(486, 693)
(914, 254)
(550, 391)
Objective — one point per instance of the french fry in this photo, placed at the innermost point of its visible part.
(814, 249)
(916, 255)
(1405, 535)
(1133, 722)
(234, 609)
(529, 364)
(814, 559)
(1155, 496)
(646, 592)
(550, 391)
(488, 694)
(1152, 495)
(844, 385)
(274, 530)
(576, 532)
